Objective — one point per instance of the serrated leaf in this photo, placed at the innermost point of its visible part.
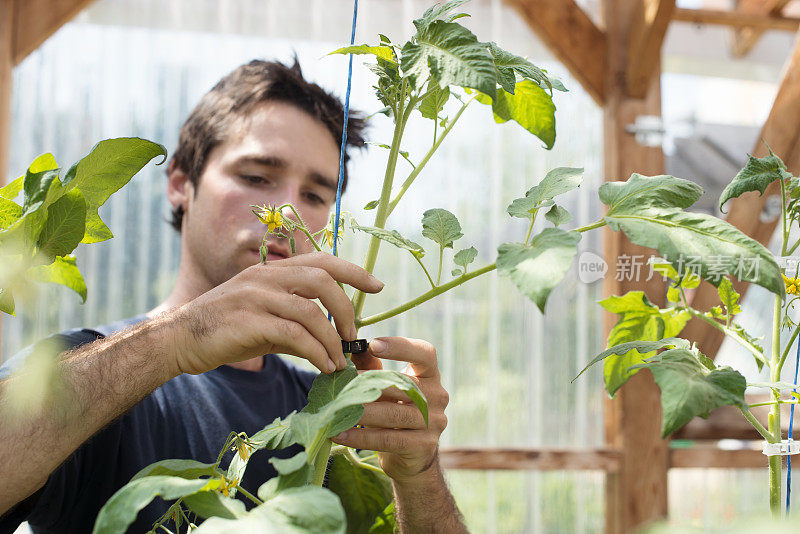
(673, 294)
(295, 510)
(640, 192)
(509, 65)
(679, 236)
(538, 268)
(437, 12)
(121, 509)
(364, 493)
(640, 320)
(441, 226)
(689, 389)
(556, 182)
(63, 271)
(211, 504)
(729, 298)
(386, 53)
(639, 346)
(10, 212)
(530, 106)
(756, 175)
(558, 216)
(276, 435)
(65, 225)
(432, 105)
(449, 54)
(465, 257)
(393, 237)
(189, 469)
(525, 207)
(12, 189)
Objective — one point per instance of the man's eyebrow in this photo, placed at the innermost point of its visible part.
(279, 163)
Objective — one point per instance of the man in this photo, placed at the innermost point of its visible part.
(178, 379)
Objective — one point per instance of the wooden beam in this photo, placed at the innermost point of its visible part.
(572, 37)
(6, 73)
(728, 423)
(746, 38)
(736, 19)
(782, 133)
(637, 493)
(648, 28)
(710, 456)
(539, 459)
(36, 20)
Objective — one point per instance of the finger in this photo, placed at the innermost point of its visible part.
(366, 362)
(405, 442)
(392, 415)
(293, 338)
(306, 312)
(315, 283)
(419, 353)
(341, 270)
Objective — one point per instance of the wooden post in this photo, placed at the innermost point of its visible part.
(6, 70)
(637, 493)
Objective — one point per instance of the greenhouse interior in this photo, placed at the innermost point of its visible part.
(588, 305)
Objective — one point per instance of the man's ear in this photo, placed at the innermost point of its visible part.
(179, 188)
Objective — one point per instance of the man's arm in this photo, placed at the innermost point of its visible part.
(264, 309)
(407, 448)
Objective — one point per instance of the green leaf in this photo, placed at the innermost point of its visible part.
(65, 225)
(729, 298)
(689, 388)
(189, 469)
(686, 279)
(293, 472)
(394, 238)
(780, 386)
(211, 504)
(640, 192)
(756, 175)
(556, 182)
(465, 257)
(639, 346)
(530, 106)
(96, 229)
(62, 271)
(286, 466)
(364, 493)
(295, 510)
(509, 65)
(640, 320)
(441, 226)
(372, 204)
(276, 435)
(386, 53)
(432, 105)
(10, 212)
(121, 509)
(538, 268)
(558, 216)
(714, 245)
(37, 181)
(385, 522)
(6, 301)
(437, 12)
(449, 54)
(11, 190)
(525, 207)
(110, 165)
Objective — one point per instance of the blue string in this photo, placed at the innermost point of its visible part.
(344, 133)
(791, 425)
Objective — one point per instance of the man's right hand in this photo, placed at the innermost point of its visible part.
(268, 308)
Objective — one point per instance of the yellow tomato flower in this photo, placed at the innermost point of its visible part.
(270, 216)
(792, 285)
(228, 485)
(328, 237)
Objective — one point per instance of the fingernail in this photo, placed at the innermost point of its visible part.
(330, 366)
(343, 435)
(376, 282)
(377, 346)
(353, 333)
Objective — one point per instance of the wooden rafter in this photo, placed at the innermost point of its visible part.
(572, 36)
(782, 132)
(648, 28)
(6, 67)
(746, 38)
(736, 19)
(36, 20)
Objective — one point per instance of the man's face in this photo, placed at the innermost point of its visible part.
(279, 154)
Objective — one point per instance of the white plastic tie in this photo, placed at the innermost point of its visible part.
(783, 448)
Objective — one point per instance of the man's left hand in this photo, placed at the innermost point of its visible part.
(393, 425)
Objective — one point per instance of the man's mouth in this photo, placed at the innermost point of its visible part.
(273, 252)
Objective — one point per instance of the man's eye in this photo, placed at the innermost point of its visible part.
(315, 198)
(253, 179)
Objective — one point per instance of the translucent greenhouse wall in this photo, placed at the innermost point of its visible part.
(127, 67)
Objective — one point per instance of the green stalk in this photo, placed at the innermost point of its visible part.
(383, 205)
(775, 412)
(321, 462)
(441, 258)
(728, 332)
(756, 424)
(424, 297)
(249, 495)
(421, 165)
(592, 226)
(419, 260)
(785, 352)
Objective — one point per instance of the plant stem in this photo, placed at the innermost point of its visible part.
(356, 460)
(421, 165)
(785, 240)
(771, 403)
(757, 425)
(321, 462)
(775, 412)
(728, 332)
(419, 260)
(441, 257)
(785, 352)
(530, 227)
(592, 226)
(424, 297)
(249, 495)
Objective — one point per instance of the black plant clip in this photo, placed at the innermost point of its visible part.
(355, 347)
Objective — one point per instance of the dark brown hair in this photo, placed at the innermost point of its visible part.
(238, 94)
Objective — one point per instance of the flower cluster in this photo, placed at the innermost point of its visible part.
(792, 285)
(270, 216)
